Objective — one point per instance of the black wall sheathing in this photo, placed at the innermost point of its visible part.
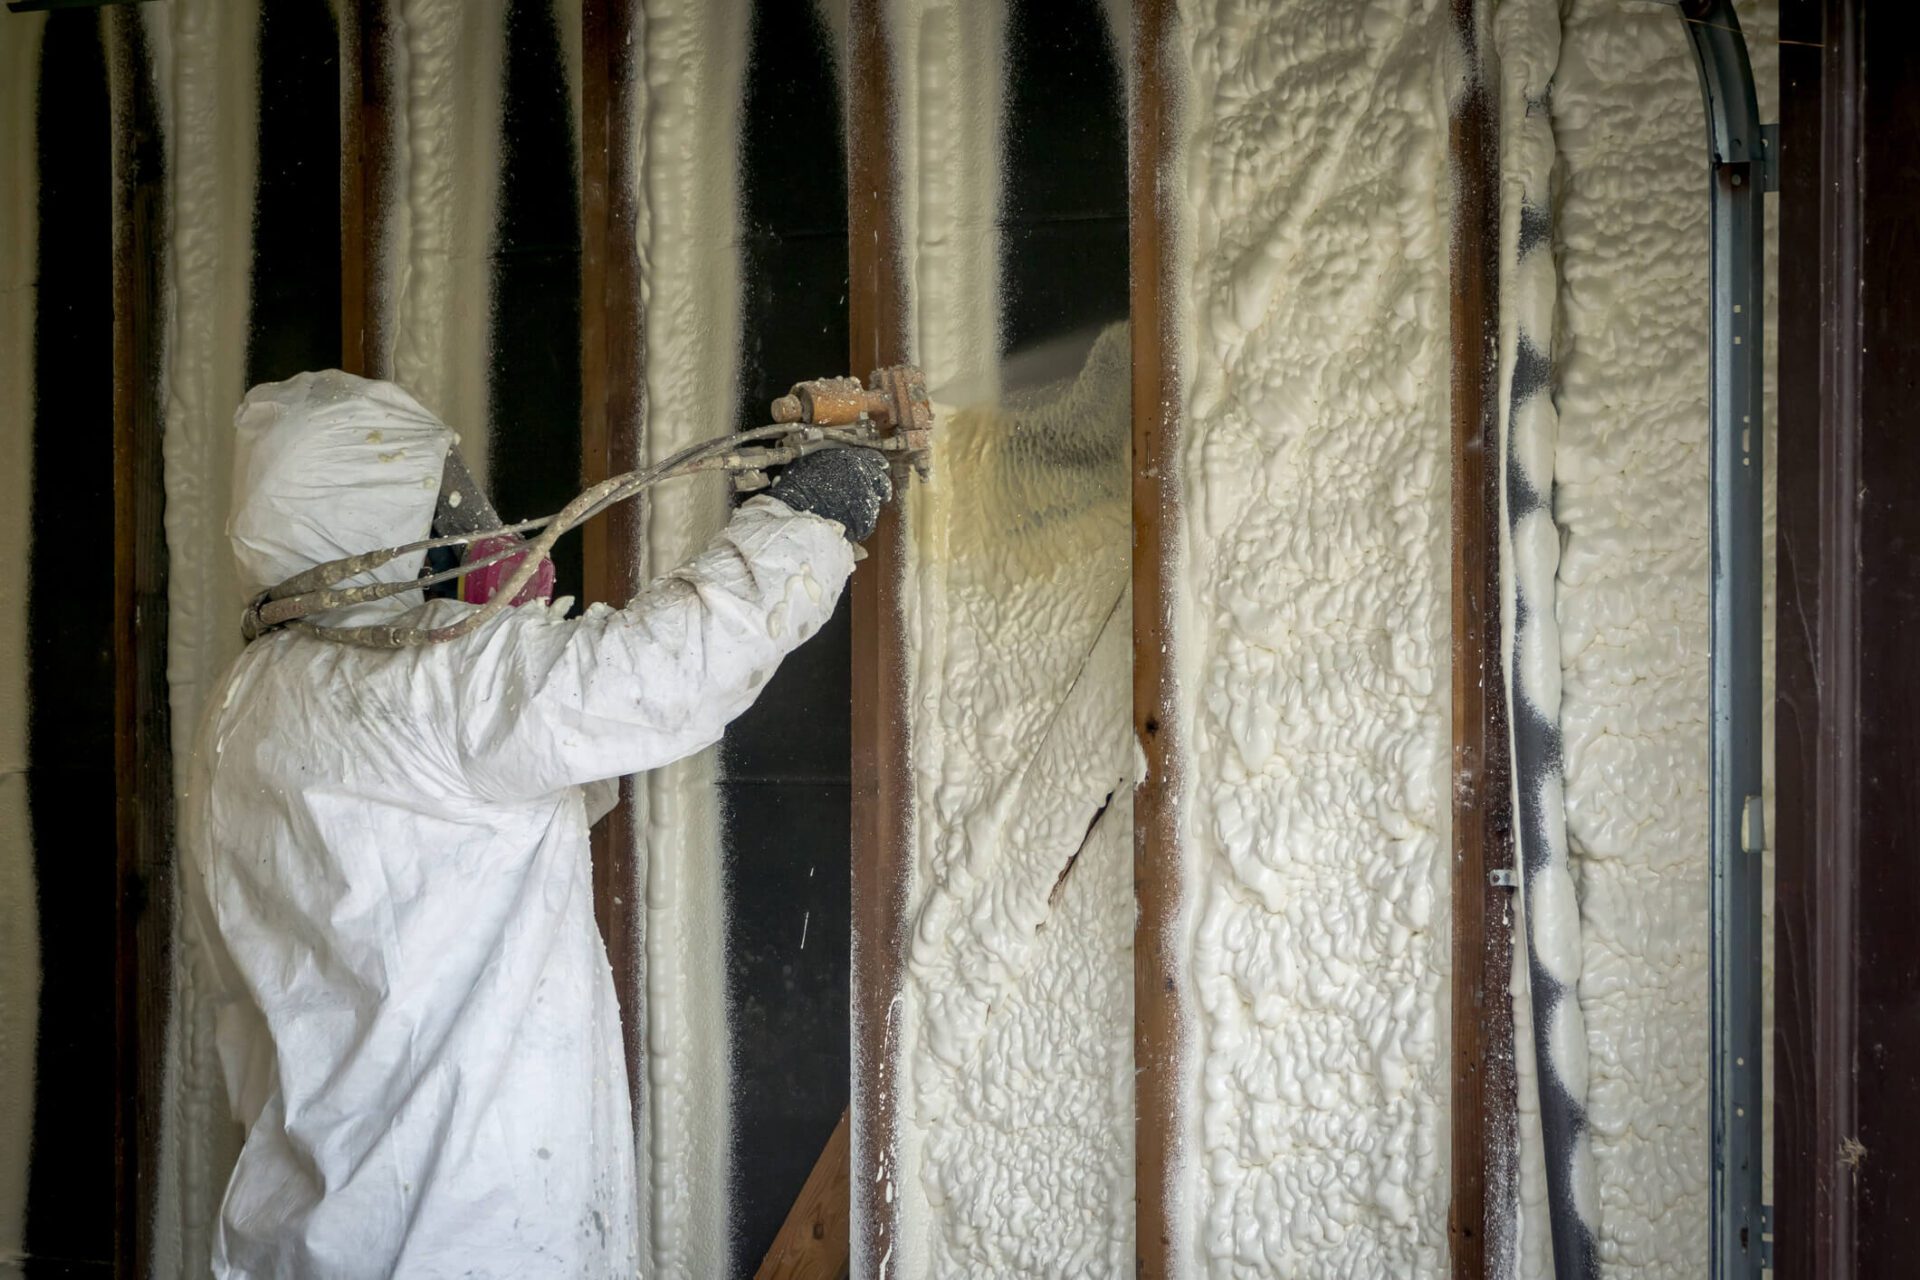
(786, 793)
(295, 321)
(1064, 194)
(70, 671)
(534, 376)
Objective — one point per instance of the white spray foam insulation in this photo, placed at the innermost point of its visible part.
(1557, 1224)
(687, 120)
(949, 80)
(1526, 47)
(1015, 1104)
(204, 59)
(1313, 651)
(1014, 1089)
(1631, 503)
(436, 283)
(203, 56)
(20, 39)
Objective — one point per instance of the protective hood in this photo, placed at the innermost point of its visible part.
(328, 465)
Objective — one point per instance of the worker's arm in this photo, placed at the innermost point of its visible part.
(543, 705)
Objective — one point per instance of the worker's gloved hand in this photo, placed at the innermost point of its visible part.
(848, 485)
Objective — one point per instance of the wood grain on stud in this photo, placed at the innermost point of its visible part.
(612, 409)
(812, 1243)
(1483, 1097)
(1158, 1015)
(881, 780)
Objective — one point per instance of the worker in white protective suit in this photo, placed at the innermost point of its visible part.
(385, 855)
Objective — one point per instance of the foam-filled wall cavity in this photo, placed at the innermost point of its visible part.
(1312, 646)
(1631, 505)
(434, 287)
(685, 113)
(1016, 1065)
(203, 66)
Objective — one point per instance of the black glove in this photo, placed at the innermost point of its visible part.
(848, 485)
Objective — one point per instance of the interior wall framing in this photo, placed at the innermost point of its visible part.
(1160, 1018)
(613, 407)
(1832, 426)
(1483, 1101)
(1847, 1026)
(877, 310)
(143, 758)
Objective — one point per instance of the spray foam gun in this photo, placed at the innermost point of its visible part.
(891, 413)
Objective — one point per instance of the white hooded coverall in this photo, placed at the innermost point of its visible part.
(385, 856)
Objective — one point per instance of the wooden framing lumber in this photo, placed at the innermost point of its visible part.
(612, 402)
(142, 747)
(1484, 1105)
(1847, 1029)
(881, 770)
(812, 1242)
(366, 160)
(1157, 1005)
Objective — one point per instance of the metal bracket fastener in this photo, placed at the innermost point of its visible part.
(1769, 157)
(1753, 832)
(1766, 1237)
(1503, 878)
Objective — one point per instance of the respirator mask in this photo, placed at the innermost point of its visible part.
(463, 511)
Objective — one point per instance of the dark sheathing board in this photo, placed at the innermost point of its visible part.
(295, 323)
(786, 796)
(534, 375)
(1064, 192)
(70, 674)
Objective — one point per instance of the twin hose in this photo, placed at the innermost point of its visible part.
(316, 591)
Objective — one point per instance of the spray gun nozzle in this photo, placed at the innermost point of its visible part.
(892, 410)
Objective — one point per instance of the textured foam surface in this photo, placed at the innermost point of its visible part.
(204, 64)
(1313, 649)
(949, 63)
(1016, 1065)
(1632, 507)
(686, 113)
(1631, 504)
(1557, 1206)
(436, 285)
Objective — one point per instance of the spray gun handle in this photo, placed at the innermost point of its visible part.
(893, 402)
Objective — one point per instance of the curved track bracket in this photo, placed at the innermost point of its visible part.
(1741, 169)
